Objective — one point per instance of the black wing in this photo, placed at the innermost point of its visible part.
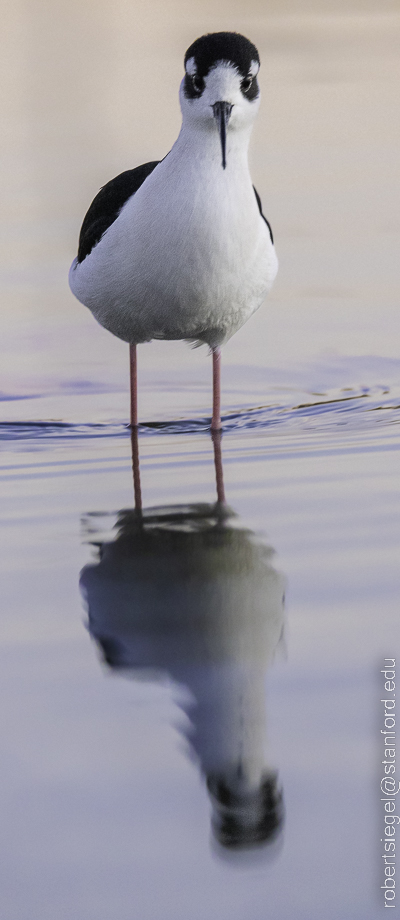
(106, 206)
(262, 215)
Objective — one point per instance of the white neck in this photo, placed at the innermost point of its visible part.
(201, 144)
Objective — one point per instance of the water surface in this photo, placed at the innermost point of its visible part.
(190, 716)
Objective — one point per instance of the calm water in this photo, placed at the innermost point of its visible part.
(191, 716)
(104, 777)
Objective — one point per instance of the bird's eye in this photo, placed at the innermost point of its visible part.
(198, 84)
(193, 86)
(246, 84)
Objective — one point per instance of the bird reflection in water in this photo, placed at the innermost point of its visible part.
(187, 591)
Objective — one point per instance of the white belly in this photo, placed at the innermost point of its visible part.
(189, 257)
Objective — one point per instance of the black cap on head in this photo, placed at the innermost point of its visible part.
(222, 46)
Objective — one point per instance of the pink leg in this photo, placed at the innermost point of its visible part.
(133, 375)
(136, 469)
(216, 417)
(219, 473)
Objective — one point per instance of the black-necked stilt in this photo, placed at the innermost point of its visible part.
(180, 249)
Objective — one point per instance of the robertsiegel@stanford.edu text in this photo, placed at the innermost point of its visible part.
(389, 785)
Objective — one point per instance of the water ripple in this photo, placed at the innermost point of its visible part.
(362, 410)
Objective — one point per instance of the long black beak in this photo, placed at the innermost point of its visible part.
(222, 114)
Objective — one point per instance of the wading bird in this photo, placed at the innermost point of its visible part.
(180, 249)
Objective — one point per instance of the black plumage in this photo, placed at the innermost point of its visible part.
(263, 215)
(222, 46)
(108, 203)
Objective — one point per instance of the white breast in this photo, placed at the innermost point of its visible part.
(188, 257)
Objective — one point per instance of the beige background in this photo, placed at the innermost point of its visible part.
(90, 88)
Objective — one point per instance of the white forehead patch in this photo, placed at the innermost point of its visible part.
(191, 67)
(254, 68)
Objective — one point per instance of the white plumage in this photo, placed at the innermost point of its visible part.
(189, 255)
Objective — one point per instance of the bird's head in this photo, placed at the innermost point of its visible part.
(246, 818)
(219, 91)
